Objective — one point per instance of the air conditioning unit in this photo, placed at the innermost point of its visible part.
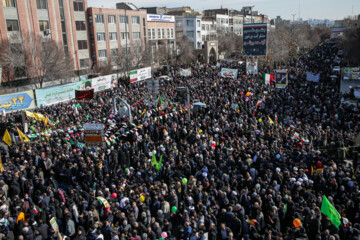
(47, 32)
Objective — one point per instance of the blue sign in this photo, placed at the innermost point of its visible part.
(17, 101)
(312, 77)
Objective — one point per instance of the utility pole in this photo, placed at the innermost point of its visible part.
(126, 41)
(293, 17)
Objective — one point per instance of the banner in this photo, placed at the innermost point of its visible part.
(281, 78)
(351, 73)
(185, 72)
(252, 67)
(83, 94)
(254, 39)
(229, 73)
(64, 93)
(357, 92)
(104, 82)
(140, 74)
(312, 77)
(17, 101)
(58, 94)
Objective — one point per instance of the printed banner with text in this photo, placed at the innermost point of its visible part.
(17, 101)
(229, 73)
(254, 39)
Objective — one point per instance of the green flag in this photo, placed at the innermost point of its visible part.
(329, 210)
(153, 160)
(158, 165)
(285, 208)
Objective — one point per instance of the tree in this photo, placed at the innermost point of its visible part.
(287, 40)
(141, 58)
(185, 51)
(351, 45)
(37, 57)
(229, 42)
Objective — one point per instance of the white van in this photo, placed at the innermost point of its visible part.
(165, 78)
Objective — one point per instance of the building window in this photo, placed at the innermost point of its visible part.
(190, 23)
(136, 35)
(124, 35)
(100, 37)
(9, 3)
(114, 51)
(43, 25)
(102, 54)
(159, 33)
(190, 34)
(137, 50)
(111, 19)
(41, 4)
(198, 34)
(79, 6)
(203, 27)
(99, 18)
(168, 33)
(125, 51)
(135, 20)
(12, 25)
(82, 44)
(149, 33)
(198, 23)
(179, 34)
(84, 63)
(172, 32)
(163, 33)
(112, 36)
(80, 26)
(124, 19)
(178, 23)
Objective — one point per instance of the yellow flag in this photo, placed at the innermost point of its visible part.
(46, 120)
(29, 114)
(1, 166)
(7, 138)
(271, 121)
(39, 116)
(23, 137)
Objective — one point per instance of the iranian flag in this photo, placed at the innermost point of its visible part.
(133, 76)
(268, 79)
(258, 103)
(296, 135)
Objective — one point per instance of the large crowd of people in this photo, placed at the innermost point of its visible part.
(238, 168)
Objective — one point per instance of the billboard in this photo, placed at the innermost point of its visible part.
(351, 73)
(281, 78)
(312, 77)
(140, 74)
(229, 73)
(251, 67)
(17, 101)
(254, 39)
(160, 18)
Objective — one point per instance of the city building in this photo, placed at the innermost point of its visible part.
(117, 36)
(62, 21)
(189, 26)
(161, 37)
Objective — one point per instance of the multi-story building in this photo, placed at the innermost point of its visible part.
(161, 36)
(117, 36)
(63, 21)
(189, 26)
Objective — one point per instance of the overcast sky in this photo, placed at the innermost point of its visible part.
(319, 9)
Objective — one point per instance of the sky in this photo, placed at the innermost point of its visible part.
(315, 9)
